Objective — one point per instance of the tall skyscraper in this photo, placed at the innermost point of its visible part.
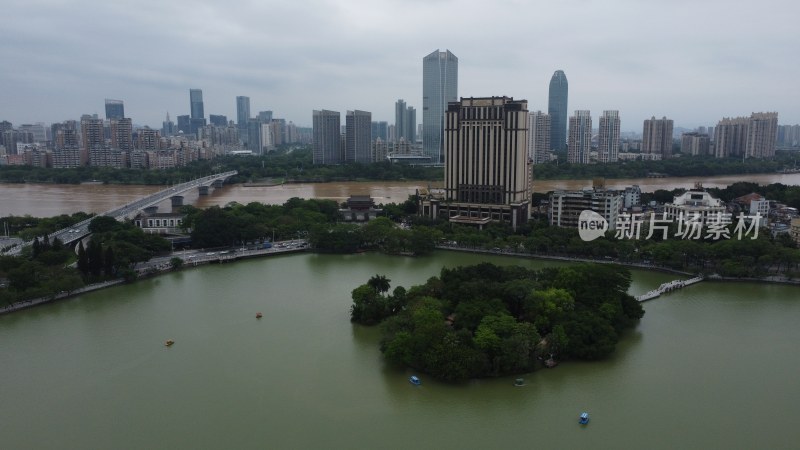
(657, 137)
(487, 172)
(358, 146)
(242, 111)
(405, 121)
(327, 137)
(580, 137)
(608, 141)
(196, 103)
(557, 109)
(539, 125)
(115, 109)
(439, 87)
(380, 130)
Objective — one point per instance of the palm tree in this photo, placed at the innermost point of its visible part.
(380, 283)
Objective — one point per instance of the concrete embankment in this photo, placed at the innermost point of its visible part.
(60, 296)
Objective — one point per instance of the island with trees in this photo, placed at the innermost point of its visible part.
(488, 320)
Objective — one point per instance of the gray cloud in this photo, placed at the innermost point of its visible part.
(692, 61)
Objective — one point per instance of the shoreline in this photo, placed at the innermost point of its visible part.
(25, 304)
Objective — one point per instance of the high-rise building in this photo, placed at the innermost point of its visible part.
(242, 111)
(487, 173)
(327, 137)
(196, 103)
(168, 127)
(380, 130)
(657, 137)
(789, 135)
(695, 144)
(265, 116)
(439, 87)
(218, 120)
(122, 134)
(115, 109)
(253, 140)
(608, 137)
(762, 133)
(557, 109)
(539, 125)
(405, 121)
(184, 124)
(358, 147)
(730, 137)
(580, 137)
(92, 134)
(242, 116)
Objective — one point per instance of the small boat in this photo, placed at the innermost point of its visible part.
(258, 315)
(519, 382)
(169, 342)
(584, 419)
(414, 380)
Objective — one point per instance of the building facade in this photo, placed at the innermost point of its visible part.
(405, 121)
(730, 137)
(358, 132)
(115, 109)
(657, 137)
(694, 203)
(327, 137)
(762, 134)
(695, 144)
(439, 87)
(539, 133)
(566, 206)
(557, 110)
(487, 170)
(580, 137)
(608, 137)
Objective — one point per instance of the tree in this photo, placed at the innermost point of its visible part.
(83, 260)
(109, 262)
(379, 283)
(175, 263)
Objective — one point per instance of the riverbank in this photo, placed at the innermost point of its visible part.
(159, 268)
(25, 304)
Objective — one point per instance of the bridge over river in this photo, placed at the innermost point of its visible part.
(129, 210)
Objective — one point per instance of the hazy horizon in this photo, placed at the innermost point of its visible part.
(689, 62)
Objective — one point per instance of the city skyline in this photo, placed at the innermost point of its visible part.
(693, 67)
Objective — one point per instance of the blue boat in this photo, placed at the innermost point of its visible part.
(584, 419)
(414, 380)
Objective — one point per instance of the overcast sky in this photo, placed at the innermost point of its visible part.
(692, 61)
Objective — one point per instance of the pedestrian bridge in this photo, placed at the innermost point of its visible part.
(129, 210)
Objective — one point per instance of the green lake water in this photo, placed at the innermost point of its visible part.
(711, 366)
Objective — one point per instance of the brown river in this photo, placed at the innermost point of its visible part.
(44, 200)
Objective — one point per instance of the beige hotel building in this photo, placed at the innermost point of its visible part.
(487, 168)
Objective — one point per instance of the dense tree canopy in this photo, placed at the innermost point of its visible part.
(488, 320)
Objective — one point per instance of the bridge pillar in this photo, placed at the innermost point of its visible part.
(217, 183)
(177, 201)
(203, 190)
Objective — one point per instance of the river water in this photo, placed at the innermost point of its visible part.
(711, 366)
(45, 200)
